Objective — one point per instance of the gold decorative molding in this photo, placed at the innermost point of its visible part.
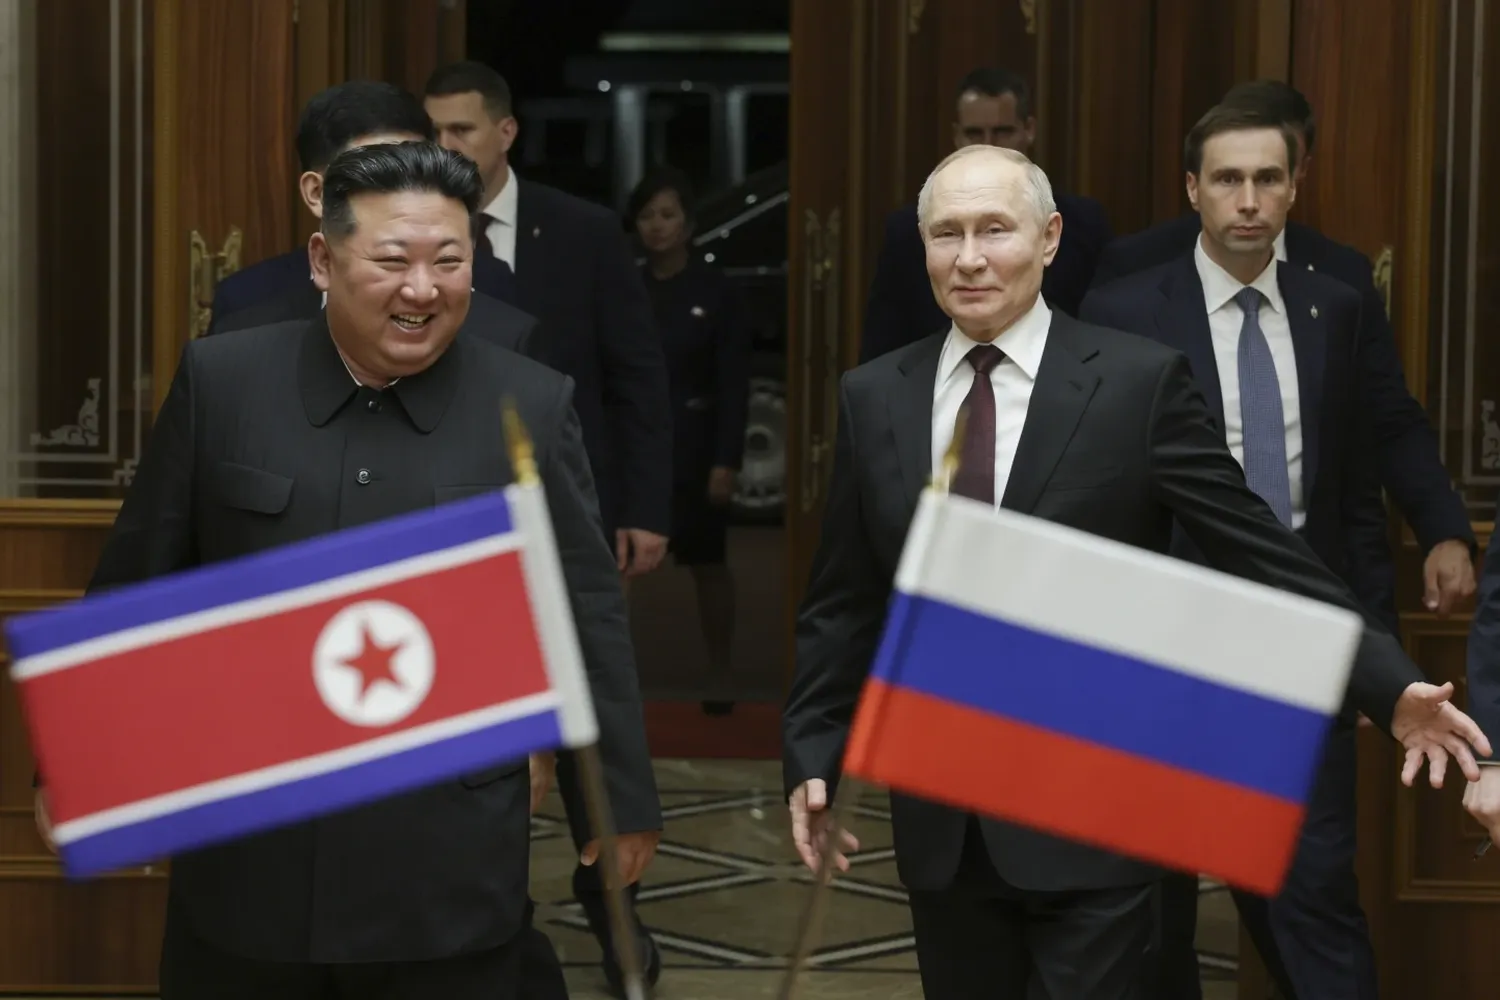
(914, 11)
(1385, 265)
(1028, 11)
(22, 600)
(205, 271)
(32, 513)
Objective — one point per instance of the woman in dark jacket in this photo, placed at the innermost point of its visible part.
(707, 345)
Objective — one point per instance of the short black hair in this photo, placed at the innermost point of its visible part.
(1222, 118)
(335, 117)
(1278, 100)
(991, 81)
(392, 167)
(470, 76)
(657, 180)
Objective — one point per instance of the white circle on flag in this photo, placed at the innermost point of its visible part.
(373, 663)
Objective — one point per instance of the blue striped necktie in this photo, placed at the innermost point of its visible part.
(1261, 417)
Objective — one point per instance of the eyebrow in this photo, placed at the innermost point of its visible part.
(403, 244)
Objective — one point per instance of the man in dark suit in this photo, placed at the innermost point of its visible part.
(576, 275)
(1092, 428)
(993, 109)
(356, 113)
(1277, 352)
(285, 432)
(1408, 462)
(1482, 798)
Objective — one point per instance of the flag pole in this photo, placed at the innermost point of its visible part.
(590, 766)
(811, 922)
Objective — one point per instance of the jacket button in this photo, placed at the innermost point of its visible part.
(373, 406)
(363, 477)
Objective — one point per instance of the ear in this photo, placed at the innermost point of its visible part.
(509, 129)
(320, 256)
(958, 137)
(1192, 189)
(1030, 129)
(311, 186)
(1051, 237)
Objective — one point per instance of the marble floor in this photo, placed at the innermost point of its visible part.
(724, 898)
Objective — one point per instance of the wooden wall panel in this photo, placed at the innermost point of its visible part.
(101, 936)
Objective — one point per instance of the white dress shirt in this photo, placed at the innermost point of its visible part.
(1224, 320)
(502, 232)
(1012, 380)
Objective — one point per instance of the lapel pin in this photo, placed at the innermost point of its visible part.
(536, 232)
(1314, 312)
(697, 312)
(1311, 268)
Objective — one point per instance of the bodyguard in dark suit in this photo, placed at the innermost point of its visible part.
(1408, 463)
(993, 108)
(356, 113)
(1276, 350)
(286, 432)
(576, 275)
(1482, 798)
(1088, 427)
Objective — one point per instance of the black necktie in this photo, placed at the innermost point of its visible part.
(975, 477)
(482, 223)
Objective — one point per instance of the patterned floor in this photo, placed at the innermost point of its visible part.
(724, 898)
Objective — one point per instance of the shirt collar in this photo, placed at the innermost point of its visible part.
(1023, 343)
(503, 208)
(1280, 245)
(327, 384)
(1220, 287)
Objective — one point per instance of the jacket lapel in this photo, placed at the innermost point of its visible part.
(528, 236)
(1310, 344)
(1064, 386)
(1182, 323)
(910, 406)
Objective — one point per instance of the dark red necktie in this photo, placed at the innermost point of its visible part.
(975, 477)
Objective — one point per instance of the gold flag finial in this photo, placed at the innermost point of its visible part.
(522, 455)
(955, 448)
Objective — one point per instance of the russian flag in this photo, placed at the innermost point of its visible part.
(1037, 674)
(268, 690)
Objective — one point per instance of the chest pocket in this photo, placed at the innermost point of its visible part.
(248, 489)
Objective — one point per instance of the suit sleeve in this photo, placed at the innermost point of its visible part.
(1196, 477)
(732, 350)
(1406, 446)
(838, 625)
(1366, 532)
(635, 388)
(887, 325)
(1484, 645)
(603, 632)
(154, 533)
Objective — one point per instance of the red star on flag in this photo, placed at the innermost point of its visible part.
(374, 662)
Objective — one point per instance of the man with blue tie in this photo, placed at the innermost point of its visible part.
(356, 113)
(1275, 349)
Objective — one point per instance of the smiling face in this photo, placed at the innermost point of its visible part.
(987, 241)
(398, 282)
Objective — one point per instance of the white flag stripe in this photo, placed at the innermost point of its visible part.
(1184, 617)
(307, 767)
(553, 611)
(263, 607)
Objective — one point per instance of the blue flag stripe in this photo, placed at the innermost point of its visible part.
(199, 826)
(1102, 697)
(303, 564)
